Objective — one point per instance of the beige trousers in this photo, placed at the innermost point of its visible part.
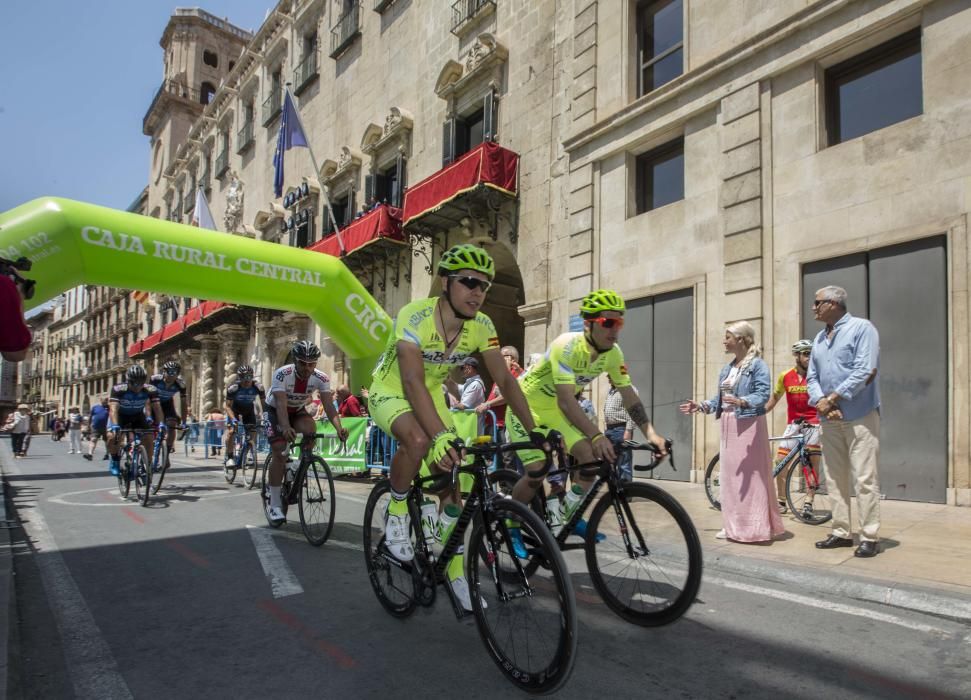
(851, 448)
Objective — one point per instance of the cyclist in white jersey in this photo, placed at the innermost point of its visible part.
(292, 388)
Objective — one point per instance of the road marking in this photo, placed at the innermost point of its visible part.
(91, 666)
(166, 490)
(188, 553)
(341, 657)
(827, 605)
(131, 514)
(291, 535)
(283, 582)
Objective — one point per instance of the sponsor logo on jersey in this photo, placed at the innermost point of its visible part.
(623, 370)
(493, 342)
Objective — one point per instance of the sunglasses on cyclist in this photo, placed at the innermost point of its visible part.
(472, 282)
(608, 323)
(172, 372)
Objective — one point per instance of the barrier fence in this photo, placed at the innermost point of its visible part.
(367, 447)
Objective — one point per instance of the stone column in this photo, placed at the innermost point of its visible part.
(233, 343)
(191, 372)
(207, 366)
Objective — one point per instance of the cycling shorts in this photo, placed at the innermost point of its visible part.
(135, 421)
(273, 431)
(385, 409)
(248, 418)
(551, 417)
(812, 440)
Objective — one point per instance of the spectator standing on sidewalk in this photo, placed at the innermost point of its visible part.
(99, 427)
(18, 424)
(215, 425)
(749, 511)
(496, 403)
(74, 430)
(842, 381)
(618, 428)
(347, 404)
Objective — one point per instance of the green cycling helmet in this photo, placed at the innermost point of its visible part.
(466, 256)
(601, 300)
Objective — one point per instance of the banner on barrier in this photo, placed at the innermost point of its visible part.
(349, 458)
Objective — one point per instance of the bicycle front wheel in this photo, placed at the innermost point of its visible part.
(229, 468)
(391, 580)
(151, 468)
(160, 473)
(250, 469)
(317, 502)
(713, 487)
(807, 498)
(139, 472)
(528, 622)
(652, 578)
(124, 476)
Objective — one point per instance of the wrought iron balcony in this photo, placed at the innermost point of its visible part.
(272, 105)
(464, 11)
(305, 72)
(245, 138)
(347, 29)
(222, 163)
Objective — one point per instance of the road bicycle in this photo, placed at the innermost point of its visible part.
(309, 484)
(244, 455)
(526, 619)
(806, 496)
(646, 560)
(135, 465)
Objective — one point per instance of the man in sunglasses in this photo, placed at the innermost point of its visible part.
(128, 408)
(792, 383)
(571, 363)
(169, 385)
(431, 337)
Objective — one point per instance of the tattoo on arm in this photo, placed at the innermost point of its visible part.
(638, 414)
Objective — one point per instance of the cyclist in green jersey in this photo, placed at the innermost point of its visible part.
(430, 337)
(572, 362)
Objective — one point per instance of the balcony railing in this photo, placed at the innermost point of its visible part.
(347, 29)
(382, 5)
(305, 72)
(464, 11)
(170, 88)
(272, 105)
(244, 138)
(222, 162)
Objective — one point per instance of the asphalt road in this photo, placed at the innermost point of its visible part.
(172, 601)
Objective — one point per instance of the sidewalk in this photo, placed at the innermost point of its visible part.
(922, 564)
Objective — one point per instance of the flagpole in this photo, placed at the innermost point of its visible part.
(313, 160)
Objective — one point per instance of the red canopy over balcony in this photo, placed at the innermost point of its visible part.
(381, 223)
(487, 167)
(176, 327)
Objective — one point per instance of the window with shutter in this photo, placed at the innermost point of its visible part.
(448, 141)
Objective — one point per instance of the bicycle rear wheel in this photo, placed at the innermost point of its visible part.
(391, 580)
(527, 622)
(139, 468)
(713, 487)
(317, 502)
(659, 582)
(807, 498)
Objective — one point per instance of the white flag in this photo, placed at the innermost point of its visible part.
(201, 216)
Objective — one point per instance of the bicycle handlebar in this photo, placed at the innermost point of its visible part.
(630, 445)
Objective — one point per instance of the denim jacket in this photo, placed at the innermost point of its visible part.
(754, 385)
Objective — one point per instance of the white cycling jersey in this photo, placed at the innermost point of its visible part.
(299, 392)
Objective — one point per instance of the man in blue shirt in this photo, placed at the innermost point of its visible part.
(842, 383)
(99, 427)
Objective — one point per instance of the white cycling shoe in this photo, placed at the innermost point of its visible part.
(460, 587)
(276, 515)
(397, 536)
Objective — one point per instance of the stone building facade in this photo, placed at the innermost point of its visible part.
(710, 160)
(66, 336)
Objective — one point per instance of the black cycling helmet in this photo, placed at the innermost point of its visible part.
(136, 374)
(172, 367)
(305, 351)
(244, 372)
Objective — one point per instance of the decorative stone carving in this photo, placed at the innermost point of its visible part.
(484, 45)
(234, 203)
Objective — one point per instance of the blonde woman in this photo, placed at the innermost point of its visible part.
(749, 511)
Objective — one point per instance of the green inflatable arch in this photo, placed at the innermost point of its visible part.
(72, 243)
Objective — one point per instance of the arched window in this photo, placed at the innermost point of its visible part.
(210, 58)
(206, 93)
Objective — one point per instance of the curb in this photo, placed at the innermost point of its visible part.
(8, 601)
(897, 595)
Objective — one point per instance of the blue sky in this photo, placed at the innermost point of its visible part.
(75, 82)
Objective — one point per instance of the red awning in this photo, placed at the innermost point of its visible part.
(174, 328)
(151, 341)
(134, 348)
(193, 315)
(381, 222)
(487, 165)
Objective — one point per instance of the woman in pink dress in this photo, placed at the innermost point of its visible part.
(749, 511)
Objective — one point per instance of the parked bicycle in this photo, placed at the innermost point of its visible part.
(806, 496)
(526, 618)
(307, 483)
(646, 560)
(244, 455)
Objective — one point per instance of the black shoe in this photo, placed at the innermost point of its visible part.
(88, 457)
(832, 542)
(105, 457)
(867, 548)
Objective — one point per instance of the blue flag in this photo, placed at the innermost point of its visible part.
(291, 134)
